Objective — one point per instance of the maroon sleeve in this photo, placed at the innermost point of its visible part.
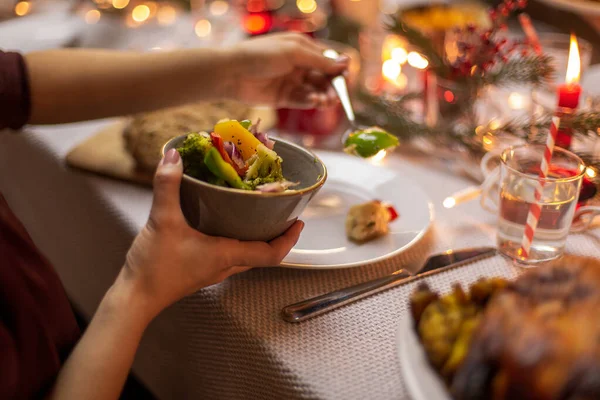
(37, 325)
(15, 103)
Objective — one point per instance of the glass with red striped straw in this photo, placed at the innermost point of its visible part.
(553, 193)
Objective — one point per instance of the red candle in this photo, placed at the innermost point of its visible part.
(568, 96)
(569, 93)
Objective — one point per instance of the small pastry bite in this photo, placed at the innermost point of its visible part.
(369, 220)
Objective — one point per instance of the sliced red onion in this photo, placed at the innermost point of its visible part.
(264, 139)
(275, 187)
(228, 148)
(236, 157)
(254, 128)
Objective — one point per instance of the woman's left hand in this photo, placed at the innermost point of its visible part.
(284, 70)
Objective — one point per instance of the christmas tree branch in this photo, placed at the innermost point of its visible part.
(534, 70)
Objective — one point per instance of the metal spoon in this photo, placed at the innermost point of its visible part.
(341, 88)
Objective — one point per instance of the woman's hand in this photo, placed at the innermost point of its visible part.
(284, 70)
(169, 260)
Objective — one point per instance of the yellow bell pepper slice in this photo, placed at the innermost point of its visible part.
(244, 140)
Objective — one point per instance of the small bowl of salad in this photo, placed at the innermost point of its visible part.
(240, 183)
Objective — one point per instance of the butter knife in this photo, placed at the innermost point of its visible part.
(310, 308)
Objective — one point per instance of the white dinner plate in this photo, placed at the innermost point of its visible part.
(582, 7)
(352, 180)
(421, 380)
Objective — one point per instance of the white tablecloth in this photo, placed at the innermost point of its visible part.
(228, 341)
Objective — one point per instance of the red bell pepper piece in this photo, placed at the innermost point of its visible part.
(217, 141)
(393, 213)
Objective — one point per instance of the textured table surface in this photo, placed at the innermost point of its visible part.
(228, 341)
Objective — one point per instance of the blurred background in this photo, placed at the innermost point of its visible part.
(352, 26)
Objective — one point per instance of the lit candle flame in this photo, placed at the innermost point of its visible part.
(574, 64)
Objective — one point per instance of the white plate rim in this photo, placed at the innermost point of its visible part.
(399, 250)
(409, 373)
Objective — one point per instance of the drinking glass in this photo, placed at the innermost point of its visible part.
(512, 186)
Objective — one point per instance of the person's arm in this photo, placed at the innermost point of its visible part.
(100, 363)
(279, 70)
(74, 85)
(167, 261)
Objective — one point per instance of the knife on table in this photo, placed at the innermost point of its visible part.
(310, 308)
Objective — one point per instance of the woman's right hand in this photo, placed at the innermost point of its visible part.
(169, 260)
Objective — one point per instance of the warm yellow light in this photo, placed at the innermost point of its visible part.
(92, 16)
(140, 13)
(449, 202)
(377, 158)
(219, 7)
(120, 4)
(590, 172)
(494, 124)
(203, 28)
(391, 70)
(574, 64)
(166, 15)
(400, 55)
(417, 61)
(22, 8)
(463, 196)
(390, 43)
(516, 101)
(306, 6)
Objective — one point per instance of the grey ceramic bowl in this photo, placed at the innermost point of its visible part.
(252, 215)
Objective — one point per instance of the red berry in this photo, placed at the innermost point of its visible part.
(522, 3)
(493, 14)
(524, 53)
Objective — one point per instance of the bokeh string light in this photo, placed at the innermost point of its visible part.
(22, 8)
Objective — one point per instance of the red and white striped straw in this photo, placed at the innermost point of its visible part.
(536, 209)
(530, 32)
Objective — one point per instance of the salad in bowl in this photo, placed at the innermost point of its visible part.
(234, 154)
(239, 183)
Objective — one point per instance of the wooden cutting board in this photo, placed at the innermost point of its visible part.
(105, 154)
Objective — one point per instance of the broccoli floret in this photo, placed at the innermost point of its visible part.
(192, 152)
(265, 167)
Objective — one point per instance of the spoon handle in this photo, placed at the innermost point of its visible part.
(341, 88)
(339, 84)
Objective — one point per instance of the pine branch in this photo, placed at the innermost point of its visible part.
(584, 123)
(534, 70)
